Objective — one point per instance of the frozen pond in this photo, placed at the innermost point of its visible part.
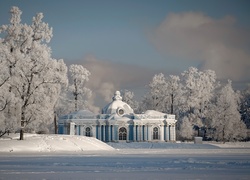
(126, 166)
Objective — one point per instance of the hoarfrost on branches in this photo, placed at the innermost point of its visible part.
(200, 105)
(174, 94)
(79, 76)
(29, 73)
(198, 91)
(186, 129)
(227, 120)
(156, 97)
(128, 97)
(245, 106)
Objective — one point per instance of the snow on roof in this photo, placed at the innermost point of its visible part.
(154, 113)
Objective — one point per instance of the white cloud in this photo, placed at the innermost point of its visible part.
(107, 77)
(216, 44)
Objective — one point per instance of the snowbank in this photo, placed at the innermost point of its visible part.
(51, 143)
(67, 144)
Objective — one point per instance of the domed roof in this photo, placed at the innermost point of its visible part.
(117, 106)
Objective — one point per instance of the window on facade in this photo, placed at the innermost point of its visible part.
(121, 111)
(87, 131)
(155, 133)
(122, 134)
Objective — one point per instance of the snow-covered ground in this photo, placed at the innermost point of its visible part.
(51, 143)
(79, 157)
(122, 166)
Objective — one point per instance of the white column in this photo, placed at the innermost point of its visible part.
(161, 132)
(145, 132)
(149, 133)
(94, 131)
(167, 132)
(72, 128)
(141, 133)
(138, 133)
(174, 133)
(134, 133)
(171, 133)
(83, 130)
(99, 132)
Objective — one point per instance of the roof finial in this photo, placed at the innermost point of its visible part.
(117, 96)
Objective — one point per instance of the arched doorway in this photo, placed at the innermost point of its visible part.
(123, 133)
(155, 133)
(88, 132)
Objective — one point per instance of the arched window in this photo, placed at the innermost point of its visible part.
(87, 131)
(155, 133)
(122, 133)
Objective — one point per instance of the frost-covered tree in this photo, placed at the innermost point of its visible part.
(156, 97)
(7, 62)
(198, 90)
(5, 98)
(164, 94)
(4, 77)
(245, 106)
(78, 77)
(35, 78)
(186, 129)
(227, 121)
(173, 93)
(128, 97)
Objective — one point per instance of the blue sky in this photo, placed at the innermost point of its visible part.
(124, 43)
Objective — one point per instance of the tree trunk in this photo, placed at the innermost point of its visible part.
(76, 94)
(2, 133)
(223, 135)
(172, 104)
(21, 134)
(22, 124)
(55, 123)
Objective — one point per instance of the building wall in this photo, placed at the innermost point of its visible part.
(108, 131)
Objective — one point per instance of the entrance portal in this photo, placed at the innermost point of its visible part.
(122, 133)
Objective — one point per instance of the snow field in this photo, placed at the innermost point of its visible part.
(126, 167)
(53, 157)
(52, 143)
(67, 144)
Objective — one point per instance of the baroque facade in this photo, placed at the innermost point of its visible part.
(118, 122)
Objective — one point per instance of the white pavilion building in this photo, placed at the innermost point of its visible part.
(118, 122)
